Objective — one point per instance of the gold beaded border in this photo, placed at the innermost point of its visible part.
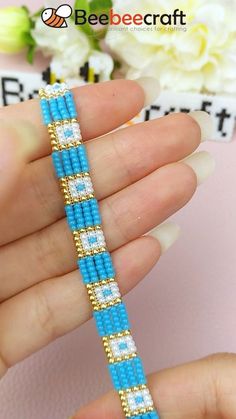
(78, 244)
(92, 294)
(124, 401)
(106, 342)
(64, 184)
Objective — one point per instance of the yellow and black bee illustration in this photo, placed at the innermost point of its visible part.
(56, 18)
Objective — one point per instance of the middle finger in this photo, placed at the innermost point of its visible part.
(117, 160)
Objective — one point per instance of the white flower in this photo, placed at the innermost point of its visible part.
(202, 58)
(103, 63)
(68, 45)
(70, 48)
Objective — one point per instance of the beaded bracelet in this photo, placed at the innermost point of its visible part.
(94, 261)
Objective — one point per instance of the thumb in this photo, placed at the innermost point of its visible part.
(18, 140)
(198, 390)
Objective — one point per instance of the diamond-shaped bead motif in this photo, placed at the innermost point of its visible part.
(122, 346)
(80, 187)
(68, 132)
(92, 240)
(139, 399)
(107, 293)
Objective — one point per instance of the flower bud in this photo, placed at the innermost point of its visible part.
(14, 27)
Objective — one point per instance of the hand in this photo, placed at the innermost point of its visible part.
(203, 389)
(137, 181)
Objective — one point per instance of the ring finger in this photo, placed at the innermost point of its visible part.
(127, 215)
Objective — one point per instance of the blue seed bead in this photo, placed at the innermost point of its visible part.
(107, 323)
(110, 320)
(75, 160)
(108, 264)
(72, 112)
(138, 365)
(154, 415)
(124, 376)
(100, 267)
(71, 104)
(119, 375)
(149, 415)
(99, 323)
(114, 376)
(104, 324)
(54, 110)
(83, 270)
(124, 316)
(120, 321)
(92, 269)
(56, 157)
(131, 375)
(82, 155)
(87, 213)
(95, 211)
(70, 217)
(131, 366)
(45, 112)
(61, 104)
(65, 157)
(79, 215)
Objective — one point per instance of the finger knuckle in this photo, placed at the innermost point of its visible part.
(51, 251)
(120, 217)
(44, 190)
(219, 366)
(44, 313)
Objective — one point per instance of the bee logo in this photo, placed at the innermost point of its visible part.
(56, 18)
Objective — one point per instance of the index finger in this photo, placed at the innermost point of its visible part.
(101, 108)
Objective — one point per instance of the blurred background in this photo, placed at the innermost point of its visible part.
(185, 308)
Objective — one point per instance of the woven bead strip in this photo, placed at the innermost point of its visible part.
(94, 260)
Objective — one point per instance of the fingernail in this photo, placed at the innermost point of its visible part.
(202, 163)
(205, 122)
(151, 88)
(166, 234)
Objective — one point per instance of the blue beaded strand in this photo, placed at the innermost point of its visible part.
(96, 269)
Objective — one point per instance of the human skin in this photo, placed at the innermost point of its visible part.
(203, 389)
(138, 183)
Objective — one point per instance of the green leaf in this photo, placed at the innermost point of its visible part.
(26, 9)
(93, 6)
(29, 40)
(30, 54)
(100, 6)
(84, 5)
(38, 13)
